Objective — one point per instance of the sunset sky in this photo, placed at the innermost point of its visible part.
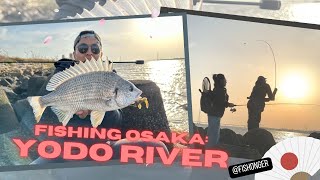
(231, 47)
(138, 38)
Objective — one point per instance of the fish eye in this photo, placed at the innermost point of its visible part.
(131, 88)
(116, 91)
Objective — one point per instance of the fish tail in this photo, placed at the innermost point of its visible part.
(37, 107)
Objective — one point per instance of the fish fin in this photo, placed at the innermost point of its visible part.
(37, 107)
(76, 70)
(100, 65)
(96, 118)
(105, 65)
(110, 66)
(63, 116)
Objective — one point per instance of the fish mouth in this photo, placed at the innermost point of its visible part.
(139, 93)
(138, 96)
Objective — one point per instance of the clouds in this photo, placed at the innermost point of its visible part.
(119, 37)
(27, 40)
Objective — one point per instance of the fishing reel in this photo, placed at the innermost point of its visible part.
(233, 109)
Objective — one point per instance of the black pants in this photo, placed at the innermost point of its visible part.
(254, 119)
(254, 112)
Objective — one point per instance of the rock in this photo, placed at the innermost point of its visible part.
(4, 82)
(28, 71)
(21, 107)
(152, 119)
(19, 90)
(35, 83)
(227, 136)
(245, 152)
(38, 72)
(46, 73)
(9, 154)
(24, 81)
(42, 91)
(24, 113)
(202, 132)
(8, 119)
(199, 130)
(260, 139)
(23, 87)
(28, 121)
(13, 97)
(315, 135)
(23, 95)
(16, 73)
(241, 139)
(10, 79)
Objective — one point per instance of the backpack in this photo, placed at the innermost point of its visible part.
(206, 103)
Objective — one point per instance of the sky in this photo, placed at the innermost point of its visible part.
(306, 11)
(128, 39)
(232, 48)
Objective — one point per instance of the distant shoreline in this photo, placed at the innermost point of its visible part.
(9, 60)
(166, 59)
(274, 129)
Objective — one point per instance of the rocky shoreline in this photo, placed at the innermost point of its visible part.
(16, 77)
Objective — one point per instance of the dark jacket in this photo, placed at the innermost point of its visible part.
(62, 64)
(220, 99)
(260, 91)
(258, 97)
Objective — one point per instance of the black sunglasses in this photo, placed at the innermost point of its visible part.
(83, 48)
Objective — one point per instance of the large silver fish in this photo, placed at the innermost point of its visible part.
(85, 86)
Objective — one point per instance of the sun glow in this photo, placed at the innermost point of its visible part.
(161, 27)
(295, 86)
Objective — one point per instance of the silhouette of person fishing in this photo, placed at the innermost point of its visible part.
(257, 101)
(219, 102)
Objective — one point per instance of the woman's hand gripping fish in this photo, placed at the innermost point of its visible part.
(85, 86)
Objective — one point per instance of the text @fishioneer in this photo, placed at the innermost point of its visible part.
(251, 167)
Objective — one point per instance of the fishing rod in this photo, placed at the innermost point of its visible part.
(233, 109)
(272, 104)
(48, 62)
(274, 60)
